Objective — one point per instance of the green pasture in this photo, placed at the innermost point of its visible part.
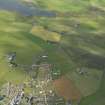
(68, 5)
(89, 82)
(80, 43)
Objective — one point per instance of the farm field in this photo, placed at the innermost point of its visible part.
(62, 42)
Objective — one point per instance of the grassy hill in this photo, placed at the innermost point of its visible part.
(76, 42)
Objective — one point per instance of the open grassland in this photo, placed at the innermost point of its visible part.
(68, 5)
(80, 44)
(88, 83)
(14, 37)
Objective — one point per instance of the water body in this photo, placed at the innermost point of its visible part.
(18, 6)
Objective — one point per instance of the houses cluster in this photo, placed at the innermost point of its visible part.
(42, 94)
(17, 99)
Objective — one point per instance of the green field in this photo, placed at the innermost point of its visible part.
(88, 83)
(78, 37)
(68, 5)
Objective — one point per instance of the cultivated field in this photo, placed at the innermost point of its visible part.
(67, 89)
(73, 40)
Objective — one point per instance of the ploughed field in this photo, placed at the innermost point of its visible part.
(73, 40)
